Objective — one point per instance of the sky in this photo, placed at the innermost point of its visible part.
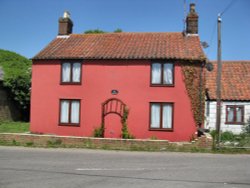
(27, 26)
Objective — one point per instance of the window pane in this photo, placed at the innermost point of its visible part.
(66, 72)
(156, 73)
(64, 112)
(75, 110)
(76, 72)
(167, 116)
(230, 114)
(155, 115)
(239, 113)
(168, 73)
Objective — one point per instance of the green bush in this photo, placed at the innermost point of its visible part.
(17, 79)
(227, 136)
(213, 133)
(241, 140)
(99, 132)
(125, 132)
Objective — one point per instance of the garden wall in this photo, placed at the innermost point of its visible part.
(204, 142)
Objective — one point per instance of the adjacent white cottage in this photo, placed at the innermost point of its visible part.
(235, 95)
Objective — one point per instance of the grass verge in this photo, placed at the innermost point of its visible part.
(14, 127)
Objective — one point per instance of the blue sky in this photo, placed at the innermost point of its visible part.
(27, 26)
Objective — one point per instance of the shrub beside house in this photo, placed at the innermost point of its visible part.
(15, 76)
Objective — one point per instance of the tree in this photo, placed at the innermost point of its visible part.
(17, 79)
(98, 31)
(118, 30)
(94, 31)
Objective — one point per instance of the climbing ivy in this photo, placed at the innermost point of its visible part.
(99, 131)
(125, 132)
(191, 73)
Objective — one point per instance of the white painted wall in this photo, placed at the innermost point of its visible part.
(210, 116)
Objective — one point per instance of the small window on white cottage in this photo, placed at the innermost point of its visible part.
(234, 114)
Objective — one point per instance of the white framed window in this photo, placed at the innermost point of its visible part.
(69, 112)
(234, 114)
(161, 116)
(71, 73)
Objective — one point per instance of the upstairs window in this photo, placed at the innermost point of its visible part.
(71, 73)
(161, 116)
(162, 74)
(69, 112)
(234, 114)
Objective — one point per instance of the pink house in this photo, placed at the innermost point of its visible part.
(83, 81)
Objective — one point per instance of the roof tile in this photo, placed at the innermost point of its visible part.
(124, 46)
(235, 81)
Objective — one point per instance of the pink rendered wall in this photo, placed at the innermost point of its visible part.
(131, 78)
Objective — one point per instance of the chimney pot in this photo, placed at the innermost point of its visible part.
(66, 14)
(192, 7)
(65, 24)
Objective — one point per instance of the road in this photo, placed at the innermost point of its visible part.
(72, 168)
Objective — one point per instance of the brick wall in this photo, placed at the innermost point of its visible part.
(204, 142)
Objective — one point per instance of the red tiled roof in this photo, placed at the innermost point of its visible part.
(124, 46)
(235, 81)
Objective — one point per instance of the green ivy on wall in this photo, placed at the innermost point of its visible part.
(125, 132)
(196, 92)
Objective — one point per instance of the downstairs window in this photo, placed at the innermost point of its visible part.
(69, 112)
(161, 116)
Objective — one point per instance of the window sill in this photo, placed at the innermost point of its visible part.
(70, 83)
(234, 123)
(69, 124)
(159, 129)
(162, 85)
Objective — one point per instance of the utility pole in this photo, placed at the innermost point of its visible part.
(218, 83)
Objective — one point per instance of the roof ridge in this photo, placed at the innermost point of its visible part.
(123, 33)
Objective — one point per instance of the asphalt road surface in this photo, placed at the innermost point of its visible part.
(70, 168)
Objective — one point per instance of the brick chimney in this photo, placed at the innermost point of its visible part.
(65, 24)
(192, 21)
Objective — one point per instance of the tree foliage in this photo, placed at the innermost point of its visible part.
(99, 31)
(118, 30)
(124, 121)
(94, 31)
(17, 77)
